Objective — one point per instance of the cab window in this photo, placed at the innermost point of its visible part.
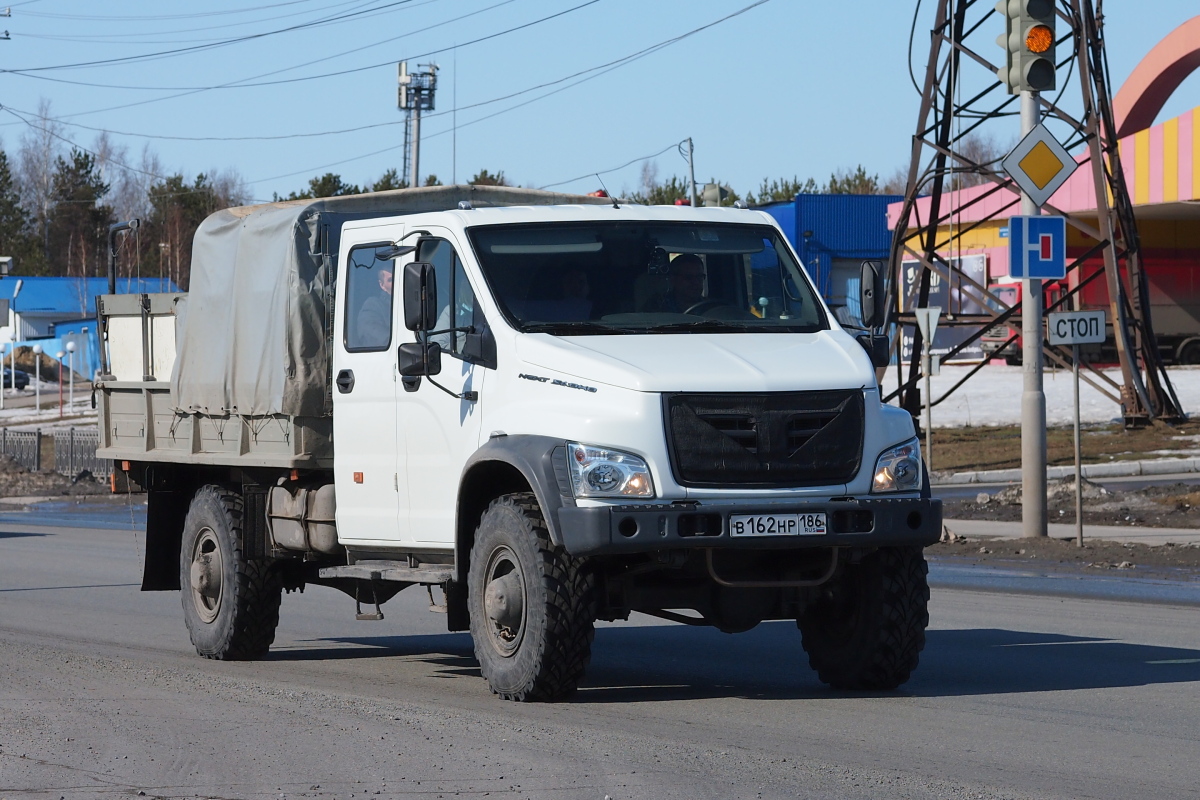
(368, 313)
(457, 309)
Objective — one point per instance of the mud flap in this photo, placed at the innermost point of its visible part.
(165, 513)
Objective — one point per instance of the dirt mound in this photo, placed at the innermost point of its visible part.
(17, 481)
(1059, 491)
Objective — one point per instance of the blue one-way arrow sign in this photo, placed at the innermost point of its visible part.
(1037, 247)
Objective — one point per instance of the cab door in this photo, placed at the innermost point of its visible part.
(369, 444)
(442, 430)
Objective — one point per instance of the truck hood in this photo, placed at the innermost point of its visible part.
(743, 362)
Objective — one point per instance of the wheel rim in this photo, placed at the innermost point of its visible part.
(206, 575)
(504, 601)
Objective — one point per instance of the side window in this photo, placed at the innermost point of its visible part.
(369, 282)
(455, 300)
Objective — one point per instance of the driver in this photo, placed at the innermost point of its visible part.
(686, 283)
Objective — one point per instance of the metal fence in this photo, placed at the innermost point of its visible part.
(75, 451)
(25, 447)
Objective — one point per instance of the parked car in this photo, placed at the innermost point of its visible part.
(15, 379)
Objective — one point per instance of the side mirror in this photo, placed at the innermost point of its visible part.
(417, 359)
(871, 294)
(879, 348)
(479, 347)
(420, 296)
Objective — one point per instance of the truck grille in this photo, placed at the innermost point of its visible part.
(997, 332)
(773, 439)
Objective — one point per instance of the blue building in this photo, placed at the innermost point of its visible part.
(51, 311)
(833, 234)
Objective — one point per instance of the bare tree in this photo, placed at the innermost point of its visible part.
(649, 177)
(41, 145)
(229, 188)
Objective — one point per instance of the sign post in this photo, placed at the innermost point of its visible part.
(927, 320)
(1076, 328)
(1039, 165)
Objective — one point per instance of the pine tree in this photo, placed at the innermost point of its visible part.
(15, 235)
(78, 222)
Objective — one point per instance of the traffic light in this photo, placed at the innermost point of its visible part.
(1029, 45)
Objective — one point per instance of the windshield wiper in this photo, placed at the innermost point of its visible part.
(571, 328)
(701, 326)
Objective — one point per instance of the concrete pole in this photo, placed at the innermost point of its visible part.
(692, 173)
(416, 146)
(37, 380)
(1033, 397)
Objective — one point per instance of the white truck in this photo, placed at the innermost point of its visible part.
(570, 409)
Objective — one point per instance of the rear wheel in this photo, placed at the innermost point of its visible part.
(532, 605)
(230, 603)
(1189, 353)
(868, 628)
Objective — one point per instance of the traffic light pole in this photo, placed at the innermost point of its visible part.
(1033, 397)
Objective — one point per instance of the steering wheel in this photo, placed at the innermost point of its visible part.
(703, 305)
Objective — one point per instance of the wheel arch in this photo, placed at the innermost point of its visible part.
(170, 490)
(506, 465)
(1188, 344)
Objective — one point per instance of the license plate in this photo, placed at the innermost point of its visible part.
(807, 524)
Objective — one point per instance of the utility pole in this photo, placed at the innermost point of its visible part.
(415, 94)
(692, 172)
(1033, 396)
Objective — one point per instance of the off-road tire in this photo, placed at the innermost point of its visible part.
(868, 628)
(239, 624)
(555, 638)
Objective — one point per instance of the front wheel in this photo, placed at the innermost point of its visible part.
(230, 603)
(867, 629)
(532, 605)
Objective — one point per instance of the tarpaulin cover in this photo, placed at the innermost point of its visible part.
(252, 336)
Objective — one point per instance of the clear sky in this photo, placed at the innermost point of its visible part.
(789, 87)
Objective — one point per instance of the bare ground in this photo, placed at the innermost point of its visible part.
(999, 447)
(1172, 505)
(17, 481)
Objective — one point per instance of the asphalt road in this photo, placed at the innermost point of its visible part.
(1017, 696)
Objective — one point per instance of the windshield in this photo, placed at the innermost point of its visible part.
(623, 277)
(1006, 295)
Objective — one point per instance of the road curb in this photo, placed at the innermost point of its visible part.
(1114, 469)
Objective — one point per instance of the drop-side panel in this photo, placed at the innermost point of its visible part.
(138, 423)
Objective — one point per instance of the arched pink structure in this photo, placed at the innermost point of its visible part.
(1158, 75)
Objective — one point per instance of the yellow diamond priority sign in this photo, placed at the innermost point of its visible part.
(1039, 165)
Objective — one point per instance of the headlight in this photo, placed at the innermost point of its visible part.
(898, 469)
(599, 472)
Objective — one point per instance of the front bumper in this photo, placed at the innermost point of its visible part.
(607, 530)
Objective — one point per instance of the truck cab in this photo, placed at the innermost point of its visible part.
(1004, 339)
(559, 413)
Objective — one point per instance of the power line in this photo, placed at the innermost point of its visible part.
(45, 129)
(234, 84)
(241, 82)
(197, 48)
(142, 17)
(131, 38)
(611, 66)
(607, 66)
(614, 169)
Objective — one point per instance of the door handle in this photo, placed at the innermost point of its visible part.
(345, 381)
